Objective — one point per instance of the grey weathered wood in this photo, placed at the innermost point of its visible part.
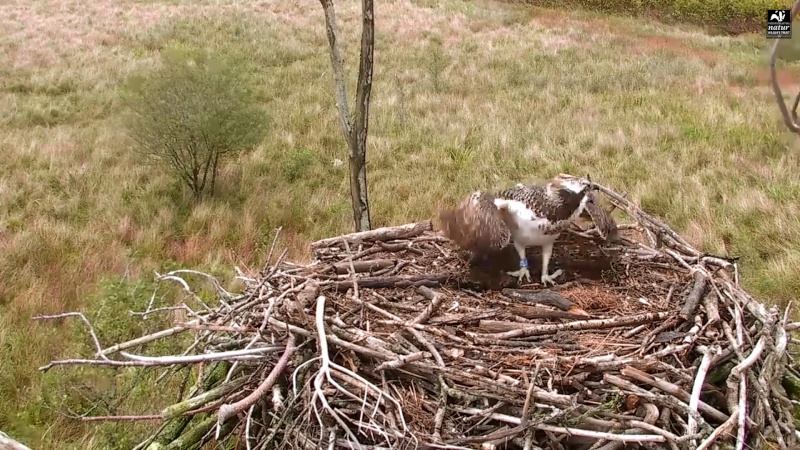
(396, 281)
(711, 303)
(369, 265)
(6, 443)
(541, 297)
(536, 312)
(690, 305)
(377, 235)
(595, 324)
(672, 389)
(355, 132)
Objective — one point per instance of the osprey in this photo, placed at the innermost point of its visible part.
(525, 215)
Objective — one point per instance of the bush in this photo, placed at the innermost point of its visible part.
(726, 16)
(192, 113)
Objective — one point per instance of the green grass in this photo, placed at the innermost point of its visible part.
(466, 95)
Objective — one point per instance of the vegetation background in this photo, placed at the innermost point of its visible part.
(467, 94)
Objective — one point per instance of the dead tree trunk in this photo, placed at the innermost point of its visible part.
(355, 131)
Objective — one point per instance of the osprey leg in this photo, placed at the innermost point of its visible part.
(523, 264)
(547, 252)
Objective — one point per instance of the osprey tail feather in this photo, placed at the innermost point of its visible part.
(476, 224)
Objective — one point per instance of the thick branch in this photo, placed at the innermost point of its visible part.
(672, 389)
(360, 129)
(379, 235)
(369, 265)
(697, 388)
(398, 281)
(337, 63)
(541, 297)
(6, 443)
(537, 312)
(229, 410)
(694, 296)
(534, 330)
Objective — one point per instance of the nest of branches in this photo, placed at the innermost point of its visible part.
(389, 339)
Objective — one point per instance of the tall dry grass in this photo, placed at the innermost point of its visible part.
(467, 95)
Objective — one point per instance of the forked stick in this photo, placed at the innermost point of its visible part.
(324, 374)
(708, 354)
(88, 324)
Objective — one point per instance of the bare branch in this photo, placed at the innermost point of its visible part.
(95, 341)
(229, 410)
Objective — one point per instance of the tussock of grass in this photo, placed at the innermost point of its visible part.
(467, 95)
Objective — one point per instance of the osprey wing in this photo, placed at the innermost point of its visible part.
(530, 197)
(476, 224)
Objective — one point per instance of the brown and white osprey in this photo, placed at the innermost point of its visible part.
(525, 215)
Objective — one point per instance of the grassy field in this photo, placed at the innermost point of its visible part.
(467, 94)
(716, 16)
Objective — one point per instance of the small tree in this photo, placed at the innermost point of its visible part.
(355, 131)
(191, 114)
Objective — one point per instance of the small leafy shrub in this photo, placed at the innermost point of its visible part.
(192, 113)
(297, 162)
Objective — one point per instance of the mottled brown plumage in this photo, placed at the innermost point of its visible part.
(531, 215)
(555, 206)
(477, 224)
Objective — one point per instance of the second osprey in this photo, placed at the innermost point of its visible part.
(524, 215)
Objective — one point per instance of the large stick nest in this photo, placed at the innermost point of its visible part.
(389, 339)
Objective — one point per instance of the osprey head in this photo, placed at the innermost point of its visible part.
(574, 185)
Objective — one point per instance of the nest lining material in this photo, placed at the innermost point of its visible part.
(389, 339)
